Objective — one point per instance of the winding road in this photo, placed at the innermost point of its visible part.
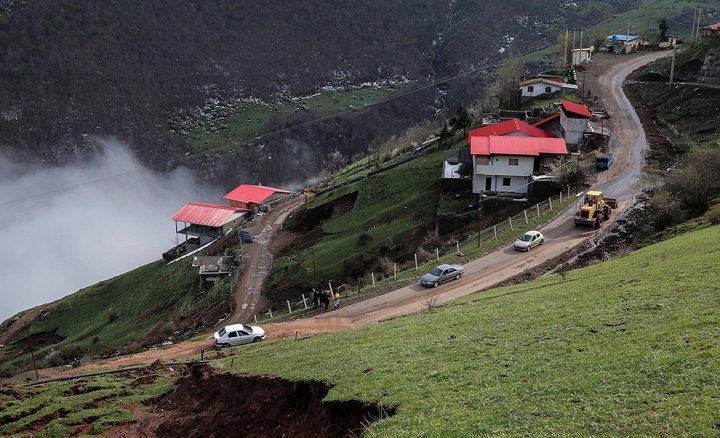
(621, 181)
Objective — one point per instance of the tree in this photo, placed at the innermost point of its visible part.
(663, 26)
(461, 120)
(509, 73)
(444, 136)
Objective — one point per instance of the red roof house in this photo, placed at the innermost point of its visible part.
(523, 146)
(250, 196)
(574, 121)
(207, 214)
(512, 127)
(573, 109)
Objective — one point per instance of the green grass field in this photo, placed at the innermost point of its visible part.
(627, 347)
(624, 348)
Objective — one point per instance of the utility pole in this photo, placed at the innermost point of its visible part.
(672, 67)
(692, 30)
(627, 39)
(697, 31)
(565, 52)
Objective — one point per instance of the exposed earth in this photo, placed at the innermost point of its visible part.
(201, 398)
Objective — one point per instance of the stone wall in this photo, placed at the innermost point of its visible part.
(710, 70)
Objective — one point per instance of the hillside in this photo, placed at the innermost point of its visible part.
(175, 78)
(608, 350)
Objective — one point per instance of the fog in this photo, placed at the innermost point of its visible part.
(74, 226)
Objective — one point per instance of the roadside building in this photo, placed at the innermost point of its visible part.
(582, 56)
(251, 197)
(202, 223)
(542, 87)
(574, 119)
(709, 30)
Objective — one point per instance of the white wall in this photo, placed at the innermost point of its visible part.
(538, 89)
(498, 168)
(574, 128)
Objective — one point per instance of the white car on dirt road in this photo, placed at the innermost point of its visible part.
(238, 334)
(529, 240)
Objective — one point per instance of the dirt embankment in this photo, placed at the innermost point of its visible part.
(208, 404)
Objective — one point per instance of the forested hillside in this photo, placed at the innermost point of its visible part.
(153, 73)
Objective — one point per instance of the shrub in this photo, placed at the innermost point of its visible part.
(713, 215)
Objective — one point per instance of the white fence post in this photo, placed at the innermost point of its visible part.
(525, 213)
(550, 201)
(304, 302)
(495, 231)
(372, 274)
(289, 307)
(416, 266)
(568, 192)
(537, 207)
(270, 310)
(330, 286)
(395, 270)
(510, 222)
(437, 254)
(255, 316)
(560, 197)
(457, 245)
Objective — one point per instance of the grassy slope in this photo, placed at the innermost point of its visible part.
(139, 299)
(628, 347)
(250, 120)
(388, 207)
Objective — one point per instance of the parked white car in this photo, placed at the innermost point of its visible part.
(529, 240)
(237, 334)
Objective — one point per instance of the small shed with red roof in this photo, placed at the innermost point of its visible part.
(252, 196)
(574, 119)
(206, 222)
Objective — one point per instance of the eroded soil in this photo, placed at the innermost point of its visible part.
(208, 404)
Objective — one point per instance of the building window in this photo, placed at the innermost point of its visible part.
(547, 161)
(548, 90)
(531, 88)
(514, 162)
(506, 182)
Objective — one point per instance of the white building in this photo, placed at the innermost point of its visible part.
(574, 119)
(542, 86)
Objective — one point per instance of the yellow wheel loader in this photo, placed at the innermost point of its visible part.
(595, 209)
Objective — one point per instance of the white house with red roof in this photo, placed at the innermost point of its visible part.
(207, 222)
(251, 196)
(543, 87)
(507, 155)
(574, 119)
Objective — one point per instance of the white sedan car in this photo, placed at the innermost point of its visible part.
(529, 240)
(237, 334)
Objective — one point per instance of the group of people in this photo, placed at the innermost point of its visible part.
(322, 299)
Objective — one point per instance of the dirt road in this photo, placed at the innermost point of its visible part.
(621, 181)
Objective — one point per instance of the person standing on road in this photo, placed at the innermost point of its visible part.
(326, 299)
(337, 299)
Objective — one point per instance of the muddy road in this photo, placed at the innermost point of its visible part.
(621, 181)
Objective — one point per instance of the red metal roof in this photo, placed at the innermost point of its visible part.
(715, 26)
(546, 120)
(527, 146)
(206, 214)
(255, 194)
(575, 108)
(508, 127)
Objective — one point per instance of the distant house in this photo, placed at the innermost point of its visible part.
(544, 87)
(709, 30)
(505, 165)
(206, 222)
(251, 197)
(573, 121)
(622, 43)
(582, 56)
